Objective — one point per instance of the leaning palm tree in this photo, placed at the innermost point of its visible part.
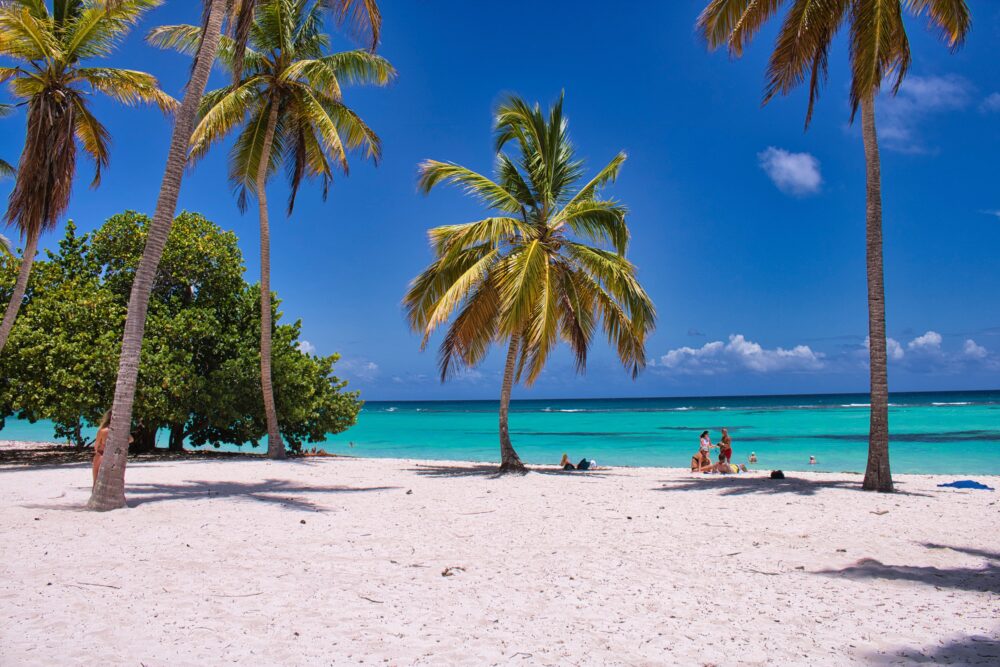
(362, 17)
(53, 78)
(879, 50)
(547, 264)
(287, 107)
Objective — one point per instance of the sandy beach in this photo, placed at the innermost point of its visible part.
(337, 561)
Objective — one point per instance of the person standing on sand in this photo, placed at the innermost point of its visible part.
(100, 441)
(726, 446)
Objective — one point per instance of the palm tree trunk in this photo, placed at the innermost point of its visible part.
(20, 287)
(509, 460)
(109, 491)
(877, 475)
(275, 447)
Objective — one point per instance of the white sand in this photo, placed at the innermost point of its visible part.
(333, 561)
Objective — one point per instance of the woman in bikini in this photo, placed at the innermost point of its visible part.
(100, 441)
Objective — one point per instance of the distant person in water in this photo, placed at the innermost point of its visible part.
(584, 464)
(812, 460)
(726, 446)
(752, 458)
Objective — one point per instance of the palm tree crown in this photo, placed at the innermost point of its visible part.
(547, 265)
(285, 67)
(878, 44)
(50, 47)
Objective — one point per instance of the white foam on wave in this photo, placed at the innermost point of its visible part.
(955, 403)
(856, 405)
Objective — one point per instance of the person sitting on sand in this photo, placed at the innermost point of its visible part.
(726, 446)
(700, 462)
(584, 464)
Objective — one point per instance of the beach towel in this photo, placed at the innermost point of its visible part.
(967, 484)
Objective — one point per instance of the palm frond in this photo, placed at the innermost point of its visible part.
(221, 112)
(493, 231)
(94, 138)
(951, 17)
(97, 28)
(26, 36)
(432, 172)
(597, 221)
(360, 67)
(127, 86)
(879, 48)
(735, 22)
(803, 45)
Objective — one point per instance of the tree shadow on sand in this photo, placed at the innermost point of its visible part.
(489, 471)
(275, 491)
(978, 580)
(739, 485)
(970, 650)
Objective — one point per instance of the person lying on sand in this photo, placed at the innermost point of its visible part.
(584, 464)
(723, 467)
(315, 451)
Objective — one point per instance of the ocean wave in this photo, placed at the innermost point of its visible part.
(955, 403)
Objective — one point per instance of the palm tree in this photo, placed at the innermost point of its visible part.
(51, 80)
(879, 49)
(548, 264)
(287, 107)
(362, 17)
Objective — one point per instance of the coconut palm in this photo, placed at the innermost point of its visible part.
(547, 264)
(879, 51)
(286, 108)
(52, 76)
(361, 17)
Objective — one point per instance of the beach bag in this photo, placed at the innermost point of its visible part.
(777, 474)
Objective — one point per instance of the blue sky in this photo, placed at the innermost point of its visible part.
(748, 232)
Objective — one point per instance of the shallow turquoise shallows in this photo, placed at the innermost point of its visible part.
(953, 432)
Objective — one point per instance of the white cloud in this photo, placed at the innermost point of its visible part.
(360, 368)
(994, 212)
(919, 97)
(893, 350)
(991, 104)
(793, 173)
(973, 350)
(307, 347)
(930, 342)
(739, 354)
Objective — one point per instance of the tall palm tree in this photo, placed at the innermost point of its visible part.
(362, 17)
(287, 107)
(879, 50)
(53, 78)
(548, 264)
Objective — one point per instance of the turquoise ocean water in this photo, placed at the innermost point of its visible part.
(948, 432)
